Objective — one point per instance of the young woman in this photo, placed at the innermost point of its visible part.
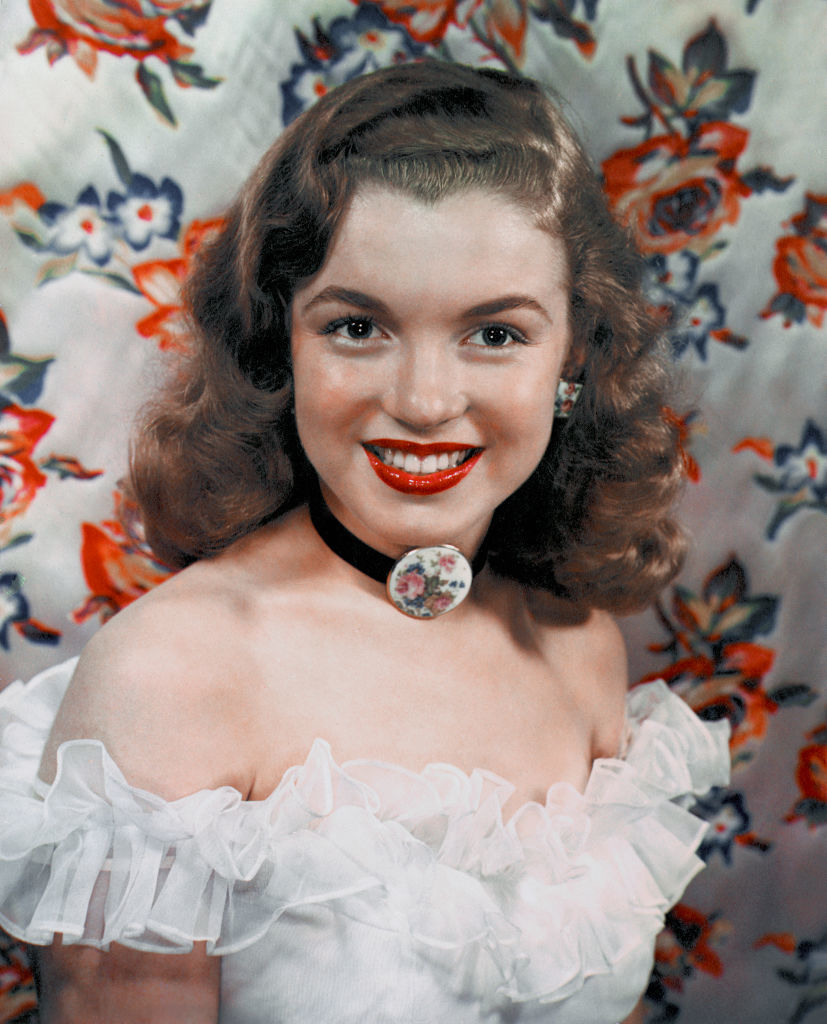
(373, 744)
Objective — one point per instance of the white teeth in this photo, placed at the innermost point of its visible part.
(421, 467)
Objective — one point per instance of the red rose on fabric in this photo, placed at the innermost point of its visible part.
(117, 563)
(800, 266)
(161, 280)
(20, 477)
(676, 193)
(427, 21)
(811, 773)
(84, 27)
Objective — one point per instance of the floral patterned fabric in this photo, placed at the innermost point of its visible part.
(126, 129)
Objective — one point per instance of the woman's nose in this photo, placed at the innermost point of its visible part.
(428, 389)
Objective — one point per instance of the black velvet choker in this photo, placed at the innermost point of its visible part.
(424, 583)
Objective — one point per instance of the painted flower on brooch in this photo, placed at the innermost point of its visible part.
(800, 267)
(429, 581)
(799, 473)
(117, 563)
(348, 47)
(20, 476)
(139, 29)
(680, 187)
(410, 585)
(717, 665)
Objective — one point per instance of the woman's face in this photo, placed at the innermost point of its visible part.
(426, 353)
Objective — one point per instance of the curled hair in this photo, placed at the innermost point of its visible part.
(219, 454)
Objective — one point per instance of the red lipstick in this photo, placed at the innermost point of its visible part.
(425, 483)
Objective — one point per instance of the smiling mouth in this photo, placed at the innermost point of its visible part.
(420, 468)
(421, 465)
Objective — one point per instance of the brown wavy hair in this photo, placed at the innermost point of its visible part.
(218, 454)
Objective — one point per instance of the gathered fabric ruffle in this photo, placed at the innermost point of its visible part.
(427, 854)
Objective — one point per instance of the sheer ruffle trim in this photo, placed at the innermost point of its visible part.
(427, 854)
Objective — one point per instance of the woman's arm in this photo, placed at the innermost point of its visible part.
(151, 688)
(638, 1015)
(82, 985)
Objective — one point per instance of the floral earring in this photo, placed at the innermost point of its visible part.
(565, 399)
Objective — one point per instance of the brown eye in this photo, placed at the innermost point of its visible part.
(353, 328)
(359, 328)
(495, 336)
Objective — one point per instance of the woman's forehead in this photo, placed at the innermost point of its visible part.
(474, 237)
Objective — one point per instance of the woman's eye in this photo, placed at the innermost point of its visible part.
(352, 328)
(496, 336)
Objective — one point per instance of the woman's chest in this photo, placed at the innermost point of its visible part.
(480, 706)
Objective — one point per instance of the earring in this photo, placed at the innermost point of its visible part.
(565, 399)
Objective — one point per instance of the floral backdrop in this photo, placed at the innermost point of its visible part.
(127, 125)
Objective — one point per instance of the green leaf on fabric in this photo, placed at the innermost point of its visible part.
(16, 541)
(30, 240)
(67, 467)
(118, 159)
(192, 75)
(153, 89)
(793, 693)
(664, 79)
(193, 19)
(705, 52)
(117, 279)
(781, 515)
(769, 483)
(727, 584)
(22, 379)
(762, 179)
(54, 269)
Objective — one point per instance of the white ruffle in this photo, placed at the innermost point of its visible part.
(426, 853)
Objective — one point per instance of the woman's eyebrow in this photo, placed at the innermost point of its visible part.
(335, 293)
(507, 302)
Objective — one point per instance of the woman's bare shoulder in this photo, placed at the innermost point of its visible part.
(158, 685)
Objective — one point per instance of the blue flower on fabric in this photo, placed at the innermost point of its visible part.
(147, 210)
(80, 227)
(800, 473)
(693, 313)
(804, 466)
(13, 605)
(349, 47)
(14, 613)
(729, 823)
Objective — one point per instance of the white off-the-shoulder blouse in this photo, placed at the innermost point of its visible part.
(364, 892)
